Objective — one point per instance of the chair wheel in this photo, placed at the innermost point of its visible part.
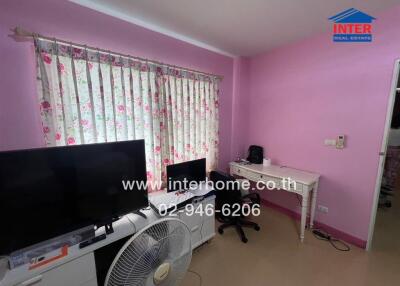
(257, 228)
(244, 240)
(220, 231)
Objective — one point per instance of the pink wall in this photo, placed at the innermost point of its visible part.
(19, 121)
(315, 89)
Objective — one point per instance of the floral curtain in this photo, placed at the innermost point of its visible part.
(87, 96)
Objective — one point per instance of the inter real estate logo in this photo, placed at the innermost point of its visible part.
(352, 25)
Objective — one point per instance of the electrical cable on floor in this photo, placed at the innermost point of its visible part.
(198, 275)
(336, 243)
(322, 235)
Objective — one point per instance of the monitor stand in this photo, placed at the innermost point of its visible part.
(109, 228)
(140, 213)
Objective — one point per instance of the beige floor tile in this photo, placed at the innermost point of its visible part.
(274, 256)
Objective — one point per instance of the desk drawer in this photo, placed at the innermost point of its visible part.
(277, 181)
(244, 173)
(299, 187)
(270, 180)
(237, 171)
(252, 176)
(260, 177)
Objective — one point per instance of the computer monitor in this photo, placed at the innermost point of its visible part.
(192, 171)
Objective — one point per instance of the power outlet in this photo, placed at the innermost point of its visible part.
(323, 209)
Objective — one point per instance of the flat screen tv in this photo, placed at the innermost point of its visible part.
(190, 171)
(48, 192)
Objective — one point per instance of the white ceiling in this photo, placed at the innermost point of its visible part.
(234, 27)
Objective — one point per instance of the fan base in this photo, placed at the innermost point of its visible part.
(162, 273)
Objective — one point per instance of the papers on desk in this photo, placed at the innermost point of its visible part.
(201, 190)
(166, 201)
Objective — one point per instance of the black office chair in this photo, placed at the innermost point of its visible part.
(229, 194)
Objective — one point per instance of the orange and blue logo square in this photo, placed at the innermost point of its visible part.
(352, 25)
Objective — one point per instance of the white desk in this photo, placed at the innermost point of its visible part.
(305, 183)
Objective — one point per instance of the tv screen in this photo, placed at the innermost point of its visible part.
(48, 192)
(191, 171)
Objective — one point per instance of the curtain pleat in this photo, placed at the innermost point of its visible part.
(108, 107)
(169, 121)
(192, 119)
(56, 88)
(128, 105)
(46, 101)
(155, 118)
(164, 138)
(174, 119)
(137, 104)
(119, 104)
(179, 116)
(97, 108)
(197, 119)
(75, 76)
(90, 97)
(185, 115)
(148, 123)
(90, 105)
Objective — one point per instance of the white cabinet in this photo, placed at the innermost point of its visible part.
(80, 272)
(78, 268)
(201, 221)
(208, 229)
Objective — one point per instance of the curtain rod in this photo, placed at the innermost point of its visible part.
(20, 33)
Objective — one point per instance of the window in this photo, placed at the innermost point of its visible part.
(87, 96)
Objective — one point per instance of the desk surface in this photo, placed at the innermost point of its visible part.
(304, 177)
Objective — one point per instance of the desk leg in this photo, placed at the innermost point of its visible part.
(304, 208)
(313, 204)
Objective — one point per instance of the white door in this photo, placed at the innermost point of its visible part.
(382, 153)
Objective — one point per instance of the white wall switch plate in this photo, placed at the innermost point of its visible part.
(323, 209)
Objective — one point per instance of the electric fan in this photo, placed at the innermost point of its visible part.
(158, 254)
